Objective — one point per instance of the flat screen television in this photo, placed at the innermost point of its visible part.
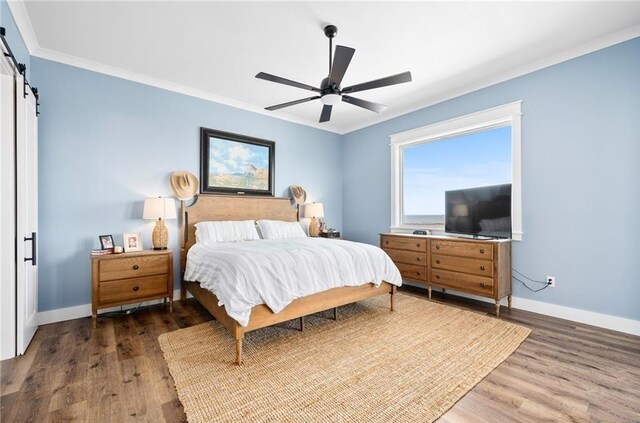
(482, 211)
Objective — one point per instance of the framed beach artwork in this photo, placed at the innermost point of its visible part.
(235, 164)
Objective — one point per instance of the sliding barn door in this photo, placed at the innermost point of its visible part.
(26, 216)
(7, 212)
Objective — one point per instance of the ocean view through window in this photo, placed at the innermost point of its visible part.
(462, 161)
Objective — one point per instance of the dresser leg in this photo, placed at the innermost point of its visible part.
(94, 320)
(170, 305)
(497, 308)
(429, 291)
(393, 297)
(444, 291)
(509, 301)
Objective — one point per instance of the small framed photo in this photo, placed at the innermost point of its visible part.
(132, 241)
(106, 242)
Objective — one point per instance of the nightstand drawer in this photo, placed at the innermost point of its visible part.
(128, 289)
(133, 267)
(464, 249)
(408, 257)
(462, 264)
(404, 243)
(412, 272)
(468, 283)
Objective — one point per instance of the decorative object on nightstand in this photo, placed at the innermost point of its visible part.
(314, 211)
(330, 233)
(106, 242)
(132, 241)
(184, 185)
(119, 279)
(159, 208)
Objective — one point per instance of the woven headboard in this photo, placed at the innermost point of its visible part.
(230, 207)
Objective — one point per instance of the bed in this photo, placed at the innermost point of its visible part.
(238, 208)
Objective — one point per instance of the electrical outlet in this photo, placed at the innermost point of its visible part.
(551, 281)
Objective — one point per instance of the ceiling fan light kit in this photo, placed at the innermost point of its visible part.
(330, 91)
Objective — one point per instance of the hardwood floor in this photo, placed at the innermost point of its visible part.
(564, 371)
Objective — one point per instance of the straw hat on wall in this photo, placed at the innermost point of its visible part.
(184, 185)
(299, 194)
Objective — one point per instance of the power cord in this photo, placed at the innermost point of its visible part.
(545, 283)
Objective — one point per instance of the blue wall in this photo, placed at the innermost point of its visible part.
(106, 144)
(16, 43)
(580, 173)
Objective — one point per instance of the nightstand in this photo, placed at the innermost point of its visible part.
(118, 279)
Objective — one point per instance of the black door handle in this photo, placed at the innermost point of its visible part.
(33, 248)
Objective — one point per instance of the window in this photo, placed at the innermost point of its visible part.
(471, 151)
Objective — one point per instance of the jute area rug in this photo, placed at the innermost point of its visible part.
(373, 365)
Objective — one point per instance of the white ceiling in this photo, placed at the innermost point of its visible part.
(214, 49)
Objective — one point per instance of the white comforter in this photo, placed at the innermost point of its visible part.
(276, 272)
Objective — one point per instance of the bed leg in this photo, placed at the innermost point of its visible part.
(302, 324)
(393, 296)
(335, 314)
(239, 351)
(183, 292)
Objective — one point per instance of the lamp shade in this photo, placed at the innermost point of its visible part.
(159, 208)
(313, 210)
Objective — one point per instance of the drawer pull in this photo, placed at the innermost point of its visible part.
(482, 267)
(437, 247)
(387, 242)
(417, 244)
(136, 267)
(417, 258)
(437, 276)
(481, 250)
(135, 288)
(437, 261)
(418, 273)
(481, 284)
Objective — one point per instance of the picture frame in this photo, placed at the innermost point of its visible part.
(132, 241)
(236, 164)
(106, 242)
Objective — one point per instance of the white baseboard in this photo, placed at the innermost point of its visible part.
(601, 320)
(592, 318)
(84, 310)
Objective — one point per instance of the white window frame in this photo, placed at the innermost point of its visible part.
(505, 115)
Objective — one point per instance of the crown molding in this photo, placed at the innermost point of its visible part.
(546, 62)
(21, 17)
(169, 86)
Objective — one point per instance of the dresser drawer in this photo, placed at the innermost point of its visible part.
(412, 272)
(463, 249)
(408, 257)
(128, 289)
(462, 281)
(462, 264)
(404, 243)
(133, 267)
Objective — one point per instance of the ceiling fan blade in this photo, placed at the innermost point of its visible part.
(291, 103)
(279, 80)
(378, 83)
(374, 107)
(326, 113)
(341, 60)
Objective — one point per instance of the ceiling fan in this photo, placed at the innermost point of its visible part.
(330, 91)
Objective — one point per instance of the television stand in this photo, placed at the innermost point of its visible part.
(475, 266)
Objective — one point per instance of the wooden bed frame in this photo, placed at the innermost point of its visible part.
(225, 207)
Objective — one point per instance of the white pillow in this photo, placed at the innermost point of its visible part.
(278, 229)
(226, 231)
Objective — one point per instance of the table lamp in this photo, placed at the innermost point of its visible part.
(159, 208)
(313, 210)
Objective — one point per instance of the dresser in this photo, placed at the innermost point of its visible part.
(479, 267)
(118, 279)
